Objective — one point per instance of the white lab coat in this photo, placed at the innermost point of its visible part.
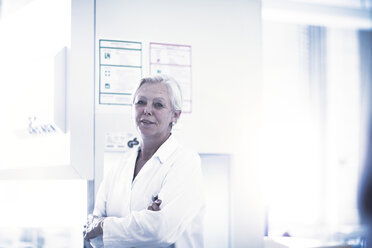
(174, 173)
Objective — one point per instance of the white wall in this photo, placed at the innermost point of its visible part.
(227, 92)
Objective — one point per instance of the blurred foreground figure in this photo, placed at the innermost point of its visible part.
(365, 192)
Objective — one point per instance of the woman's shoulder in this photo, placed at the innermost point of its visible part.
(181, 148)
(187, 155)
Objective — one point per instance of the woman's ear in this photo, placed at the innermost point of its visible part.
(176, 115)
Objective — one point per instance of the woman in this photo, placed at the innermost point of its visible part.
(154, 198)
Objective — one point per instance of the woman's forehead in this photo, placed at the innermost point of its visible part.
(154, 90)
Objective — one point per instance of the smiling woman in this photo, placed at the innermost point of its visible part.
(154, 113)
(139, 201)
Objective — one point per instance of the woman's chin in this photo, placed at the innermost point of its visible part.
(146, 132)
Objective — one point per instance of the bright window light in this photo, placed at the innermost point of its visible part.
(312, 128)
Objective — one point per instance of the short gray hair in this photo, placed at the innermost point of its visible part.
(174, 89)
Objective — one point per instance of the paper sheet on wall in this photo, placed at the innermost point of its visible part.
(120, 71)
(175, 61)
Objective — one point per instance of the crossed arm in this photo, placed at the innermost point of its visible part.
(94, 226)
(182, 200)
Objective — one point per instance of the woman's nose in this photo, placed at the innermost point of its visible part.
(147, 110)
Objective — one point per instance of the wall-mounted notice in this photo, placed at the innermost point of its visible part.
(120, 70)
(175, 61)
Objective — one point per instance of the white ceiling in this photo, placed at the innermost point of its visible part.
(9, 6)
(352, 4)
(339, 13)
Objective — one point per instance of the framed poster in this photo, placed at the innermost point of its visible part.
(175, 61)
(120, 70)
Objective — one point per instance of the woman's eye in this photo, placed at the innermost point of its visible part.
(158, 105)
(140, 102)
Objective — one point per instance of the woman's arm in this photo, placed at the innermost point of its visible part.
(94, 226)
(93, 229)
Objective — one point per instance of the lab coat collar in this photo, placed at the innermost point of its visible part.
(166, 149)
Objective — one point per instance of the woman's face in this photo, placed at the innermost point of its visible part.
(153, 111)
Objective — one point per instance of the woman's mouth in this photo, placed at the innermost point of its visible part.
(147, 122)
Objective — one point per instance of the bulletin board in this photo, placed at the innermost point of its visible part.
(120, 70)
